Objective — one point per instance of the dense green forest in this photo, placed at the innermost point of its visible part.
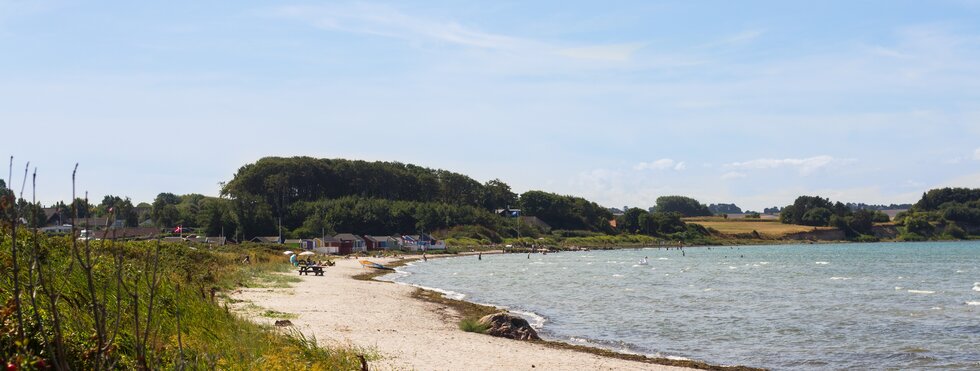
(939, 214)
(323, 196)
(943, 213)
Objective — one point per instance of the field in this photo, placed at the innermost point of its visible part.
(769, 228)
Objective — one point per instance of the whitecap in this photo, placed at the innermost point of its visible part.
(976, 286)
(840, 278)
(822, 263)
(937, 308)
(763, 263)
(898, 288)
(617, 275)
(708, 289)
(959, 271)
(636, 265)
(663, 259)
(732, 267)
(973, 303)
(535, 320)
(921, 292)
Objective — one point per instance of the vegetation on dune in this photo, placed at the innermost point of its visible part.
(138, 305)
(946, 213)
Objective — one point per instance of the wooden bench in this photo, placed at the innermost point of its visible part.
(306, 269)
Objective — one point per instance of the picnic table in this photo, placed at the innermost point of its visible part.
(306, 269)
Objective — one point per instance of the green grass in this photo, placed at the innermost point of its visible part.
(473, 325)
(208, 336)
(278, 315)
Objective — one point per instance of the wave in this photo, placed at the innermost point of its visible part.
(921, 292)
(976, 286)
(821, 263)
(840, 278)
(973, 303)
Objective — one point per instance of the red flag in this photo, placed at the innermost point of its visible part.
(178, 229)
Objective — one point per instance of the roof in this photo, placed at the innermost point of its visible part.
(378, 238)
(268, 239)
(348, 237)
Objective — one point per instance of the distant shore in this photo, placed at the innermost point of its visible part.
(408, 333)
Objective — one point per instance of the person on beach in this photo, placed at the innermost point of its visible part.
(292, 260)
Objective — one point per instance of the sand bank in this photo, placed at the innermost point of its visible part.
(409, 334)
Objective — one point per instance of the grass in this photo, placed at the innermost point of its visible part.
(188, 328)
(278, 315)
(766, 228)
(473, 325)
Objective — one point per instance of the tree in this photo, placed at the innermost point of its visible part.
(686, 206)
(498, 195)
(817, 217)
(165, 212)
(122, 208)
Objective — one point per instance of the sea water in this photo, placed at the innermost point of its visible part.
(823, 306)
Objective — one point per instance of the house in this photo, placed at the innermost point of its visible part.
(422, 242)
(380, 242)
(326, 245)
(134, 233)
(302, 243)
(508, 212)
(267, 240)
(91, 222)
(350, 243)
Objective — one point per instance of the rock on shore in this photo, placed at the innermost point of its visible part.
(509, 326)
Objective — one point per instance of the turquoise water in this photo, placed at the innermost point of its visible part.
(834, 306)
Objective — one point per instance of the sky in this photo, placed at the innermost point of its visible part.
(620, 102)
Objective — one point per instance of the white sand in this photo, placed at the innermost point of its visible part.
(408, 333)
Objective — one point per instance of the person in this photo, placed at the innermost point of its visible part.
(479, 256)
(247, 260)
(292, 260)
(424, 258)
(309, 261)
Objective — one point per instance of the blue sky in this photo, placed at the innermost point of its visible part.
(752, 102)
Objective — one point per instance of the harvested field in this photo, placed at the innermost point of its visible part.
(768, 228)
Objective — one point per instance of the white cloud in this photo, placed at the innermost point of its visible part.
(805, 166)
(661, 164)
(733, 175)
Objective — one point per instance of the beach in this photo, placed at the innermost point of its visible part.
(406, 333)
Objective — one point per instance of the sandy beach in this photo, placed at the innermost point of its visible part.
(407, 333)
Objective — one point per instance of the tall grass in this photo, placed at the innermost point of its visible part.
(171, 321)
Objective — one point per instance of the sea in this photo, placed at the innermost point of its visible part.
(806, 306)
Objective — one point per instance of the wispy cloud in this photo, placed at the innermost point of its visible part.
(385, 21)
(976, 154)
(661, 164)
(805, 166)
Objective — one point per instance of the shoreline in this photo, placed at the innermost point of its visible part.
(410, 332)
